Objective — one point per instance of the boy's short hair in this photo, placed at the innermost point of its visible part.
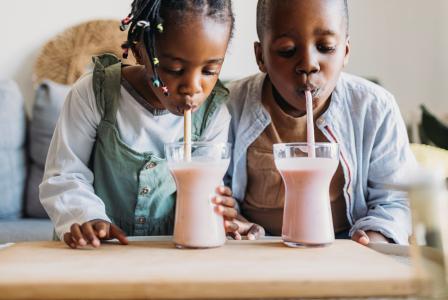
(262, 16)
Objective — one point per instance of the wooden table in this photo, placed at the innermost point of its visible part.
(241, 269)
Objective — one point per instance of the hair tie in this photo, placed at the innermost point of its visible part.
(156, 83)
(125, 53)
(126, 20)
(125, 23)
(125, 47)
(165, 91)
(124, 27)
(143, 24)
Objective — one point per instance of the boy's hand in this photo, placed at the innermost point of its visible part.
(235, 224)
(366, 237)
(225, 206)
(251, 230)
(92, 232)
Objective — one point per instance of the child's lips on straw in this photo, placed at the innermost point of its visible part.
(314, 92)
(183, 108)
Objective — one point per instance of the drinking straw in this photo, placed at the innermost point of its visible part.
(310, 124)
(187, 135)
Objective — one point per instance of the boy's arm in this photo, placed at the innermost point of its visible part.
(229, 173)
(388, 210)
(217, 130)
(67, 192)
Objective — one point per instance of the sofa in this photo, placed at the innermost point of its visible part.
(24, 141)
(23, 148)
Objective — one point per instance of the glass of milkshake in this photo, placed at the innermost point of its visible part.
(307, 219)
(197, 175)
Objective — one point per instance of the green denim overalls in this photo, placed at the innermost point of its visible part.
(136, 188)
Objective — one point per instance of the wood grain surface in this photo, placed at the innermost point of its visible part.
(240, 269)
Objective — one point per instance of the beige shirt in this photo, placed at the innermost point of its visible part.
(265, 192)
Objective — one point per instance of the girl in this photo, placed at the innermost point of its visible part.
(105, 176)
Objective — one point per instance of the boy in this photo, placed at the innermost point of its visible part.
(304, 45)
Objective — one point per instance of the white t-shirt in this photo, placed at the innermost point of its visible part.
(67, 192)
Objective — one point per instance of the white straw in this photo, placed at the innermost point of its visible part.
(187, 135)
(310, 124)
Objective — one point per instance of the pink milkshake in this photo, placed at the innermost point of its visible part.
(307, 219)
(197, 225)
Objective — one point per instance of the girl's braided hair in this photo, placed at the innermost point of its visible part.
(146, 20)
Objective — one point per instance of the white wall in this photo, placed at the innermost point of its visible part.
(403, 43)
(240, 61)
(31, 23)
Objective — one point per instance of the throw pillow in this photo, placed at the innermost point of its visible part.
(12, 151)
(50, 97)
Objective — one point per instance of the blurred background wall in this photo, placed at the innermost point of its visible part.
(401, 43)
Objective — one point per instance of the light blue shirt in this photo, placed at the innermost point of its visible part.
(365, 121)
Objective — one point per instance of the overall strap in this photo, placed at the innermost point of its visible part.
(107, 85)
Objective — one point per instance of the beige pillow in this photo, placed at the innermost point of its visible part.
(67, 56)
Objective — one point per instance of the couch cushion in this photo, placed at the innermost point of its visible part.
(25, 230)
(12, 152)
(33, 207)
(431, 158)
(48, 102)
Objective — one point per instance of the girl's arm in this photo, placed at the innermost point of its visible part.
(67, 192)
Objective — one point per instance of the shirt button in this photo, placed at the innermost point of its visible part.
(141, 220)
(145, 191)
(319, 122)
(150, 165)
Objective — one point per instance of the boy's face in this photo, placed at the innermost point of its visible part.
(304, 46)
(191, 56)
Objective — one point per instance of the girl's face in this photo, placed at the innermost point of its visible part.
(304, 47)
(191, 55)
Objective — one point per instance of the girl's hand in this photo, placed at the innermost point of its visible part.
(225, 206)
(366, 237)
(92, 232)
